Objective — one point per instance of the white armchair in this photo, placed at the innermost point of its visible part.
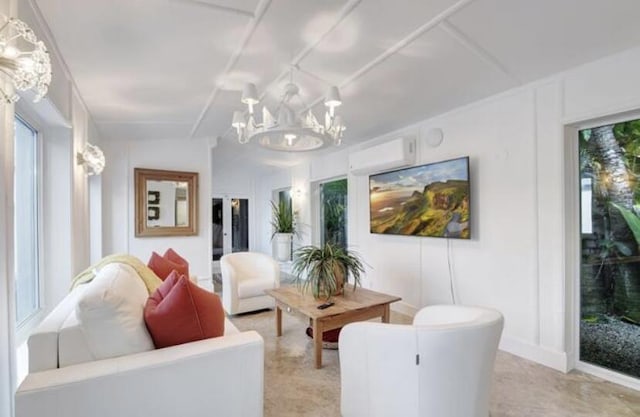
(441, 366)
(245, 276)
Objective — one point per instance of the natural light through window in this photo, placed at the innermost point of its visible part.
(26, 221)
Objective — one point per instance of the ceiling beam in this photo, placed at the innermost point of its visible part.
(344, 12)
(476, 49)
(226, 9)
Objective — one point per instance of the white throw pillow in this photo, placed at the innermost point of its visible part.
(111, 313)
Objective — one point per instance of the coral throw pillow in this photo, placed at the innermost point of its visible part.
(162, 266)
(173, 256)
(181, 312)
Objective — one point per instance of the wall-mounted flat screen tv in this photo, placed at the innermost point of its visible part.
(427, 200)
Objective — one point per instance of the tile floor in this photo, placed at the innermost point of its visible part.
(520, 389)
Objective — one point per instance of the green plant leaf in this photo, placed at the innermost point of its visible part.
(315, 268)
(282, 219)
(632, 220)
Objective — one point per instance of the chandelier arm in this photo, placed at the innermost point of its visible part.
(6, 97)
(14, 37)
(312, 75)
(7, 70)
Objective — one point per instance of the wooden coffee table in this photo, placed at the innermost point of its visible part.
(352, 306)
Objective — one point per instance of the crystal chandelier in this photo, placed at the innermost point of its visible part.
(294, 127)
(23, 59)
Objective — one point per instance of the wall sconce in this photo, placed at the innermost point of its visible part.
(92, 158)
(24, 60)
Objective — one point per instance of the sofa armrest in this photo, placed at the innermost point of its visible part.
(378, 370)
(220, 376)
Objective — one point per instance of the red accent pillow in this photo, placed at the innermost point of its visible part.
(173, 256)
(180, 312)
(162, 267)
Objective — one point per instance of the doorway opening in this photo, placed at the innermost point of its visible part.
(609, 285)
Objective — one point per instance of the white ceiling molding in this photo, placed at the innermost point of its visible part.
(261, 10)
(218, 7)
(478, 50)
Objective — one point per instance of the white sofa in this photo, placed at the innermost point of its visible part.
(441, 366)
(245, 277)
(220, 376)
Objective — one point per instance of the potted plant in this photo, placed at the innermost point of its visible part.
(326, 269)
(283, 224)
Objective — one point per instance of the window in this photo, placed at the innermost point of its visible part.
(333, 212)
(27, 284)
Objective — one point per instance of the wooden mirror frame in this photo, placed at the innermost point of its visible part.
(141, 176)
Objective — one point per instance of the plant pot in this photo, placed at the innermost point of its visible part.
(283, 246)
(338, 274)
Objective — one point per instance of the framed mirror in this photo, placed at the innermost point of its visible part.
(166, 202)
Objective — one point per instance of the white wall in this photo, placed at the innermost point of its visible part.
(56, 257)
(517, 256)
(241, 183)
(118, 198)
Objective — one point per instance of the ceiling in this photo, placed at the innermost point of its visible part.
(175, 68)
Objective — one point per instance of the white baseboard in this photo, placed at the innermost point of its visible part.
(551, 358)
(404, 308)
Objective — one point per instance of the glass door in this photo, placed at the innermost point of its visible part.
(610, 240)
(239, 225)
(333, 212)
(230, 226)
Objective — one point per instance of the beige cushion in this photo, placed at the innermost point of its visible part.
(111, 313)
(254, 287)
(72, 343)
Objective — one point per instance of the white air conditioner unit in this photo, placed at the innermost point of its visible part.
(397, 153)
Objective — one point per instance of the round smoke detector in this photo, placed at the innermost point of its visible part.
(433, 137)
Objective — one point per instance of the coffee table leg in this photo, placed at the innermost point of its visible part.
(278, 321)
(317, 342)
(386, 316)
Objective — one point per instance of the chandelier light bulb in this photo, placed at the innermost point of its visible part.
(290, 137)
(10, 52)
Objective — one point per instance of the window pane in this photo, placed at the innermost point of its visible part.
(239, 225)
(26, 221)
(333, 215)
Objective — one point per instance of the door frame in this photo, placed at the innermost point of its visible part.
(573, 246)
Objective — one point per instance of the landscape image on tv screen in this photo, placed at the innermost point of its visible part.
(427, 200)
